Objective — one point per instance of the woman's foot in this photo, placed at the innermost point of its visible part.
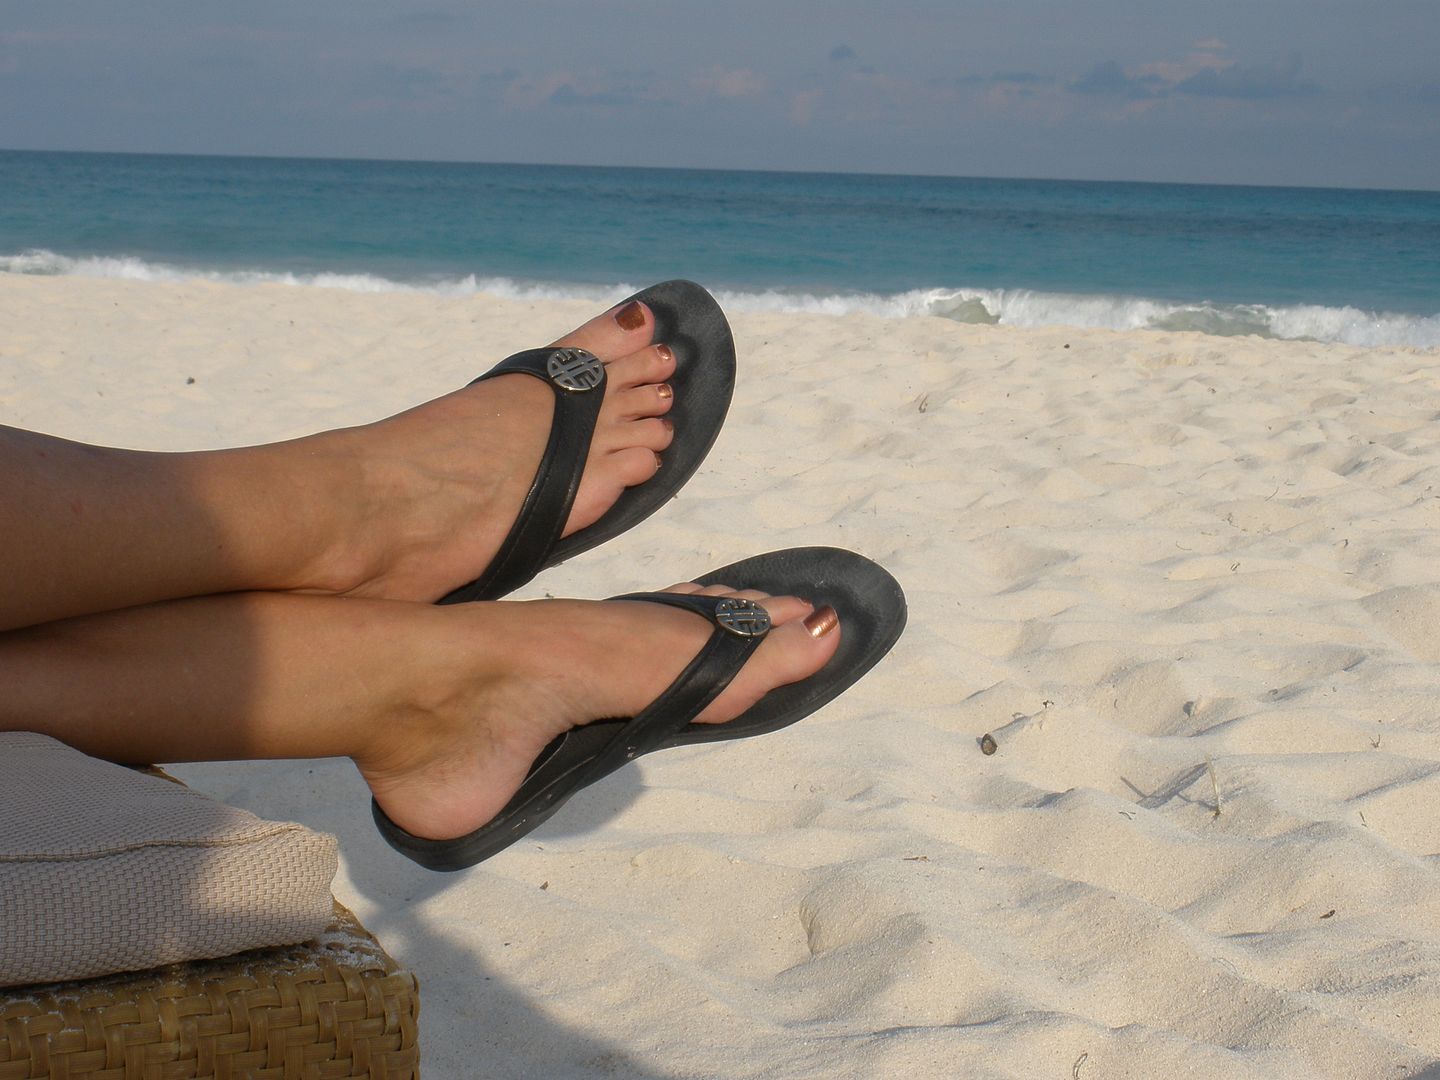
(409, 508)
(443, 708)
(558, 664)
(433, 492)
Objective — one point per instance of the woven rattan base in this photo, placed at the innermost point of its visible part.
(336, 1007)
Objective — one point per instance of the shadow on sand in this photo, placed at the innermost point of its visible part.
(472, 1021)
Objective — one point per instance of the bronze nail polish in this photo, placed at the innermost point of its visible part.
(631, 316)
(666, 353)
(821, 622)
(664, 391)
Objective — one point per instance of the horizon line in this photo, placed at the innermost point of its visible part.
(698, 168)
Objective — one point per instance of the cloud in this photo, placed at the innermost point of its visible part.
(567, 96)
(842, 53)
(1249, 83)
(1007, 78)
(730, 83)
(1108, 79)
(387, 81)
(395, 89)
(567, 89)
(1204, 75)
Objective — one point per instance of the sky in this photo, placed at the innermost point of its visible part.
(1342, 93)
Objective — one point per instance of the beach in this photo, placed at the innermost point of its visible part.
(1188, 584)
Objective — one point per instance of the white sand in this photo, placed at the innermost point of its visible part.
(1127, 556)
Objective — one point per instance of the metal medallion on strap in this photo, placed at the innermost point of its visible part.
(743, 618)
(575, 370)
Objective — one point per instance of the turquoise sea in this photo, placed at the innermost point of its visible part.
(1354, 266)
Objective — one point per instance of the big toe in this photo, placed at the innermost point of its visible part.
(618, 332)
(801, 640)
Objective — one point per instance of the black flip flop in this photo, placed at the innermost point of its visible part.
(690, 322)
(871, 607)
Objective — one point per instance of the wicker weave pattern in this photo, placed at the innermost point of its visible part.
(339, 1007)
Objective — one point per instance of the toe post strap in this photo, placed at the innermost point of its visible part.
(577, 378)
(689, 321)
(740, 627)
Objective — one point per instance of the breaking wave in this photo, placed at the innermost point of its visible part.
(1004, 307)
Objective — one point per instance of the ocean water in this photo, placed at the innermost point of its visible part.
(1361, 267)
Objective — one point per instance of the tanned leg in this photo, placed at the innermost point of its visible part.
(443, 709)
(406, 508)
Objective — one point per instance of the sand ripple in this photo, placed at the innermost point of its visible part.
(1190, 586)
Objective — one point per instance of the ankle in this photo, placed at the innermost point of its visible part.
(328, 541)
(495, 697)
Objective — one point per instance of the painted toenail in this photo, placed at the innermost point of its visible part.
(669, 424)
(821, 622)
(664, 391)
(665, 353)
(658, 462)
(631, 316)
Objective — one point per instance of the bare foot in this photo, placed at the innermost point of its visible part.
(434, 491)
(443, 708)
(537, 669)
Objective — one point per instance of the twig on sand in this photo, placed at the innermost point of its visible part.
(1075, 1069)
(1214, 784)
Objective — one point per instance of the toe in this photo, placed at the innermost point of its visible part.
(618, 332)
(799, 648)
(655, 433)
(792, 651)
(781, 609)
(651, 432)
(629, 433)
(654, 399)
(786, 609)
(633, 465)
(647, 366)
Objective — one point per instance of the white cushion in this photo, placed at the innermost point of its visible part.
(105, 869)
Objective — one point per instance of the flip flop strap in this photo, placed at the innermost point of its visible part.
(579, 392)
(702, 681)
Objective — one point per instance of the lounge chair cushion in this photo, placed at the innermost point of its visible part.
(105, 869)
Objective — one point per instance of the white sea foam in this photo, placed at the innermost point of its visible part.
(1008, 307)
(1025, 307)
